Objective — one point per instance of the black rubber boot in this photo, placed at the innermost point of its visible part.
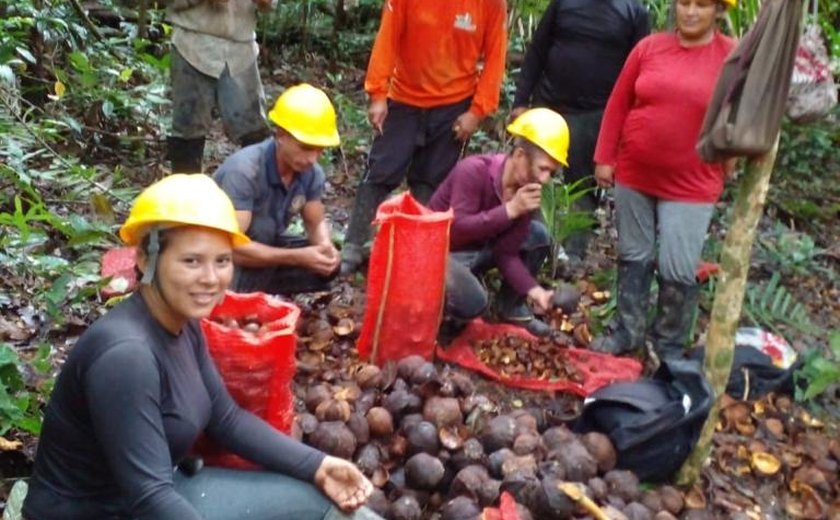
(368, 198)
(255, 137)
(674, 314)
(185, 155)
(512, 308)
(422, 192)
(627, 331)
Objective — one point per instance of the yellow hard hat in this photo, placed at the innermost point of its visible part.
(307, 113)
(546, 129)
(730, 3)
(182, 199)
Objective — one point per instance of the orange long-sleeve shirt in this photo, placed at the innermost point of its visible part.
(430, 53)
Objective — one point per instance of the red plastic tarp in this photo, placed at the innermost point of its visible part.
(406, 281)
(597, 369)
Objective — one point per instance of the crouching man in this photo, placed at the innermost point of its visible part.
(273, 181)
(495, 199)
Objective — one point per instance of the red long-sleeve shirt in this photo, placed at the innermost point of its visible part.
(654, 116)
(430, 53)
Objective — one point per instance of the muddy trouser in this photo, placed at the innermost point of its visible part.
(680, 229)
(284, 280)
(227, 494)
(417, 144)
(583, 131)
(240, 100)
(466, 296)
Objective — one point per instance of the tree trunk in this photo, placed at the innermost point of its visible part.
(141, 19)
(729, 297)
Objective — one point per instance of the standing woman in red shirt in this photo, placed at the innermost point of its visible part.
(664, 192)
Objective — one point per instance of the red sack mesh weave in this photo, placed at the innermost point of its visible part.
(118, 264)
(405, 281)
(257, 368)
(597, 369)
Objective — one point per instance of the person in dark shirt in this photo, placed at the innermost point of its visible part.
(572, 62)
(139, 387)
(275, 181)
(494, 199)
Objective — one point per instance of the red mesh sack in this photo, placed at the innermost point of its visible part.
(257, 368)
(406, 281)
(597, 369)
(118, 264)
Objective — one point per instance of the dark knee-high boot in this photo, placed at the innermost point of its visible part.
(627, 330)
(674, 314)
(368, 198)
(185, 155)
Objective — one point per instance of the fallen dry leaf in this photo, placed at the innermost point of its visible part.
(7, 445)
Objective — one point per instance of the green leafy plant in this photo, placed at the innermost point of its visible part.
(820, 370)
(789, 251)
(20, 404)
(557, 205)
(770, 304)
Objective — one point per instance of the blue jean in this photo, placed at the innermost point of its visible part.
(679, 228)
(228, 494)
(466, 296)
(285, 280)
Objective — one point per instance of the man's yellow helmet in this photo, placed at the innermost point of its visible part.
(307, 113)
(546, 129)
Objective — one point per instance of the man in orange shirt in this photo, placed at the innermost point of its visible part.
(434, 73)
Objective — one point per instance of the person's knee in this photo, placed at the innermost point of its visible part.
(466, 298)
(681, 272)
(538, 236)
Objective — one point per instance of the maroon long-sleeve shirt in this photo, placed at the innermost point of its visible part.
(473, 190)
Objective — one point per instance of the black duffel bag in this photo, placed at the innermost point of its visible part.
(653, 423)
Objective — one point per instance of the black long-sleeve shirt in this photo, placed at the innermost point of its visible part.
(577, 52)
(127, 406)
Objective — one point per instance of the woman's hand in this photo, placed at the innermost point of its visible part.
(343, 483)
(516, 112)
(605, 175)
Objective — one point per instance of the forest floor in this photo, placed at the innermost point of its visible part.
(802, 436)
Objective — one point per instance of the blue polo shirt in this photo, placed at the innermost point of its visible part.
(251, 180)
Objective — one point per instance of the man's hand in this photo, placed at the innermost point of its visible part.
(322, 258)
(605, 175)
(377, 112)
(517, 111)
(526, 200)
(343, 483)
(465, 126)
(541, 298)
